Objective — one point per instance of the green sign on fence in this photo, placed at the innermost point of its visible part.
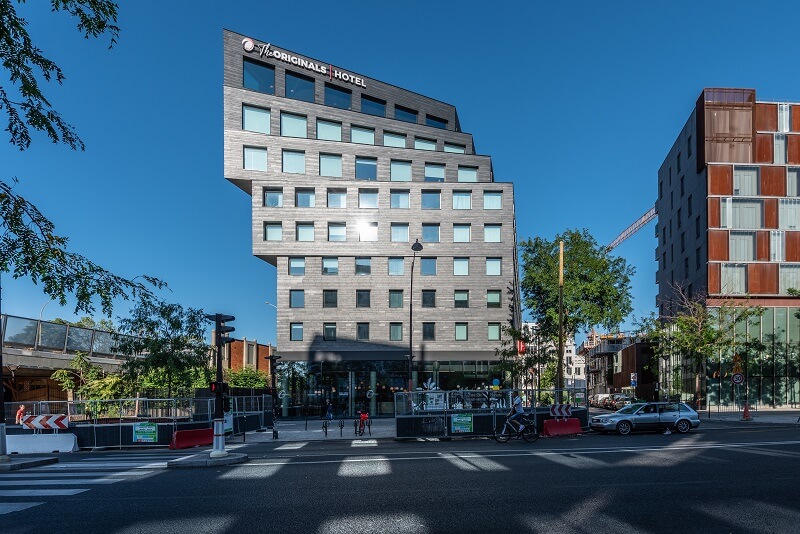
(461, 423)
(145, 432)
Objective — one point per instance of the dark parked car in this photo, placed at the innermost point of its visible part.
(654, 416)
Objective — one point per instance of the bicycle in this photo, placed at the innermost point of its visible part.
(506, 430)
(362, 422)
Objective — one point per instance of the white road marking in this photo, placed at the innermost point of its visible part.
(9, 507)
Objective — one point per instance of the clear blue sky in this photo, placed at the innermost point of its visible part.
(576, 102)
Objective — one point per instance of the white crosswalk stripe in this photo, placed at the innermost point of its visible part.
(74, 477)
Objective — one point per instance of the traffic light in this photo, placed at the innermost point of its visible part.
(214, 387)
(220, 328)
(219, 388)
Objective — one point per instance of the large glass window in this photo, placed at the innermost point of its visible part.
(792, 176)
(337, 198)
(742, 246)
(462, 200)
(399, 233)
(789, 213)
(305, 198)
(329, 331)
(297, 266)
(395, 331)
(494, 332)
(362, 331)
(462, 333)
(255, 119)
(363, 266)
(462, 233)
(461, 298)
(405, 114)
(362, 136)
(493, 298)
(337, 231)
(780, 148)
(790, 278)
(428, 331)
(373, 106)
(293, 125)
(428, 298)
(338, 97)
(297, 298)
(492, 200)
(784, 117)
(329, 131)
(330, 165)
(304, 232)
(296, 332)
(467, 174)
(745, 181)
(258, 77)
(255, 159)
(430, 233)
(366, 168)
(431, 200)
(733, 279)
(436, 122)
(434, 172)
(455, 149)
(299, 87)
(367, 198)
(294, 162)
(777, 245)
(394, 139)
(742, 213)
(461, 266)
(330, 266)
(368, 231)
(421, 143)
(273, 231)
(362, 298)
(492, 233)
(427, 266)
(400, 171)
(399, 199)
(493, 266)
(396, 266)
(273, 198)
(395, 298)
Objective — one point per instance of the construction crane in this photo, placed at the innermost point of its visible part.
(640, 223)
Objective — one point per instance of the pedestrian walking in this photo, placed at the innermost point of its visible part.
(20, 414)
(329, 415)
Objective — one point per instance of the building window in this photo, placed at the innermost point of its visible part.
(258, 77)
(255, 159)
(395, 298)
(396, 266)
(329, 131)
(733, 279)
(461, 298)
(683, 241)
(678, 162)
(294, 162)
(399, 199)
(462, 333)
(430, 233)
(784, 117)
(273, 198)
(493, 298)
(492, 200)
(792, 177)
(362, 298)
(299, 87)
(462, 200)
(697, 256)
(686, 267)
(790, 278)
(330, 298)
(367, 198)
(493, 332)
(305, 198)
(297, 266)
(336, 97)
(293, 125)
(431, 200)
(741, 213)
(689, 147)
(394, 139)
(362, 136)
(436, 122)
(330, 165)
(363, 266)
(434, 172)
(304, 232)
(698, 227)
(373, 106)
(461, 266)
(788, 213)
(405, 114)
(329, 331)
(428, 331)
(368, 231)
(362, 331)
(399, 232)
(679, 217)
(777, 245)
(296, 332)
(742, 246)
(273, 231)
(366, 168)
(421, 143)
(330, 266)
(780, 148)
(492, 233)
(337, 231)
(297, 298)
(395, 331)
(428, 298)
(427, 266)
(493, 266)
(467, 174)
(689, 206)
(400, 171)
(337, 198)
(681, 186)
(251, 354)
(462, 233)
(745, 181)
(255, 119)
(455, 149)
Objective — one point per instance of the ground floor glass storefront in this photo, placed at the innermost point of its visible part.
(354, 386)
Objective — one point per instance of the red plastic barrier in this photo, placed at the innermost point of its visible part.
(183, 439)
(562, 427)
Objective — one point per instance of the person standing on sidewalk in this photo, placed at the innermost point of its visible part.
(20, 414)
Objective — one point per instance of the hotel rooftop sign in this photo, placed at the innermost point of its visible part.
(266, 50)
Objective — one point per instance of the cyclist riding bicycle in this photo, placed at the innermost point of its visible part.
(517, 412)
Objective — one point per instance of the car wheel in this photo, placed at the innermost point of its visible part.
(683, 426)
(624, 428)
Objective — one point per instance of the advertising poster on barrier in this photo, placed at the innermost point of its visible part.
(435, 401)
(461, 423)
(145, 432)
(228, 422)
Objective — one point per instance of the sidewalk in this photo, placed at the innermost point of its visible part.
(773, 416)
(293, 430)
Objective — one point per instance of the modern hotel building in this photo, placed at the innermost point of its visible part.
(729, 231)
(346, 173)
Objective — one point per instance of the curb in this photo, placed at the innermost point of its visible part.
(204, 460)
(16, 465)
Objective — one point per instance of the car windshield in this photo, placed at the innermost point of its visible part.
(630, 409)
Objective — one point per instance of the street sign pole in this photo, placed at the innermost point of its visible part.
(220, 329)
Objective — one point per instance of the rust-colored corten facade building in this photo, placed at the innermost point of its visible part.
(729, 229)
(241, 354)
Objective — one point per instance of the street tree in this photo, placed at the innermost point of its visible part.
(247, 378)
(87, 380)
(597, 286)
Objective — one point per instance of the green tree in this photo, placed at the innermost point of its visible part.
(520, 367)
(597, 286)
(87, 380)
(247, 378)
(89, 322)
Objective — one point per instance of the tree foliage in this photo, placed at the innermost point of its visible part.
(89, 322)
(537, 355)
(88, 380)
(247, 378)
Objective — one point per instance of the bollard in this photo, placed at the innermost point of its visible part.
(341, 428)
(274, 434)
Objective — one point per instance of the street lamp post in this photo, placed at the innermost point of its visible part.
(416, 247)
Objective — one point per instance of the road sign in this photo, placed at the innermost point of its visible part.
(561, 410)
(737, 378)
(46, 422)
(634, 379)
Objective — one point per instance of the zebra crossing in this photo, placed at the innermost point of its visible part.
(22, 490)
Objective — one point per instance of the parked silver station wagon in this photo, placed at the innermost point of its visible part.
(655, 416)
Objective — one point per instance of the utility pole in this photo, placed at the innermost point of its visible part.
(219, 387)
